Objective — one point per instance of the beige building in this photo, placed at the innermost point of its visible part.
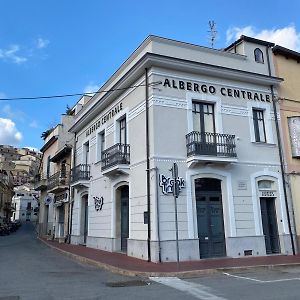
(6, 193)
(53, 181)
(287, 66)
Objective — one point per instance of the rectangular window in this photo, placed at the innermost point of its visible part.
(86, 153)
(101, 144)
(203, 117)
(122, 133)
(259, 125)
(48, 166)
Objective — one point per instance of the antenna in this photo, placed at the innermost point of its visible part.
(212, 32)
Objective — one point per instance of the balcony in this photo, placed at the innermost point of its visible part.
(116, 160)
(80, 176)
(58, 182)
(40, 182)
(210, 147)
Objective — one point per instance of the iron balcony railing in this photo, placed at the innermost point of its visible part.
(80, 172)
(118, 154)
(60, 178)
(207, 143)
(40, 182)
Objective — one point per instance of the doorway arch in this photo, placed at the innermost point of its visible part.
(122, 217)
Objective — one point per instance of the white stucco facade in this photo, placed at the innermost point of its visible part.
(111, 188)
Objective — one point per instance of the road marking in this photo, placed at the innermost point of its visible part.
(199, 291)
(261, 281)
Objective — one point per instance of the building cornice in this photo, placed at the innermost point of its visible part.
(49, 143)
(171, 63)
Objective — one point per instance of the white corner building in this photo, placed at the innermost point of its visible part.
(209, 111)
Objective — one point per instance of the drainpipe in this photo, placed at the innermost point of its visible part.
(157, 213)
(71, 201)
(148, 163)
(280, 151)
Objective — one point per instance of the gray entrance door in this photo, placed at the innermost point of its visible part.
(124, 217)
(269, 223)
(210, 218)
(86, 218)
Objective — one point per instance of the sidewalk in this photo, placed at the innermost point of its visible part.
(126, 265)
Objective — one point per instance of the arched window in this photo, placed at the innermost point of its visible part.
(259, 57)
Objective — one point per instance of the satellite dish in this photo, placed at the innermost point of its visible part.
(47, 200)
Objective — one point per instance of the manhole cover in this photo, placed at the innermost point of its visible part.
(126, 283)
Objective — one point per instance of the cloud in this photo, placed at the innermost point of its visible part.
(287, 36)
(9, 135)
(41, 43)
(11, 54)
(13, 114)
(91, 88)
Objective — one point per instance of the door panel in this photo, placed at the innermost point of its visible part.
(269, 223)
(210, 225)
(86, 219)
(124, 218)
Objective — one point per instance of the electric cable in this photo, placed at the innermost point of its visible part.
(90, 94)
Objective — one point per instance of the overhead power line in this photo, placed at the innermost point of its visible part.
(78, 94)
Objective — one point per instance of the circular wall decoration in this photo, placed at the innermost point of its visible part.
(47, 200)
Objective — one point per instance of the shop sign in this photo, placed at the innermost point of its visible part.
(213, 90)
(47, 200)
(294, 128)
(268, 194)
(115, 110)
(167, 184)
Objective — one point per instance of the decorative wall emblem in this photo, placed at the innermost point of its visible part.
(98, 203)
(167, 184)
(47, 200)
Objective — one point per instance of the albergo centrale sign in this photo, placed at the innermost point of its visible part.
(212, 90)
(105, 118)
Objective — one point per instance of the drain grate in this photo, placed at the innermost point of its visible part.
(126, 283)
(10, 298)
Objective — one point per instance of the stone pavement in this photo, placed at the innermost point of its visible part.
(123, 264)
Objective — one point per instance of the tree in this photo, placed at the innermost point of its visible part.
(46, 133)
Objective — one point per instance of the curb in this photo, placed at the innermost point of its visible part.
(181, 274)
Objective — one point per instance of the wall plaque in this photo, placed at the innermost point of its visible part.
(294, 130)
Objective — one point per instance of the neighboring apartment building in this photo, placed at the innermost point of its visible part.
(287, 66)
(6, 194)
(53, 181)
(23, 163)
(25, 203)
(210, 112)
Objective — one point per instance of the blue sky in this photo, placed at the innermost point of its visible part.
(55, 47)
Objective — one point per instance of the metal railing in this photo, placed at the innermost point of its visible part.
(80, 172)
(60, 178)
(207, 143)
(116, 155)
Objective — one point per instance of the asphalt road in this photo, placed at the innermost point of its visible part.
(30, 270)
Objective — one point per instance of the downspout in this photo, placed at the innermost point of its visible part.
(148, 163)
(71, 201)
(157, 213)
(280, 151)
